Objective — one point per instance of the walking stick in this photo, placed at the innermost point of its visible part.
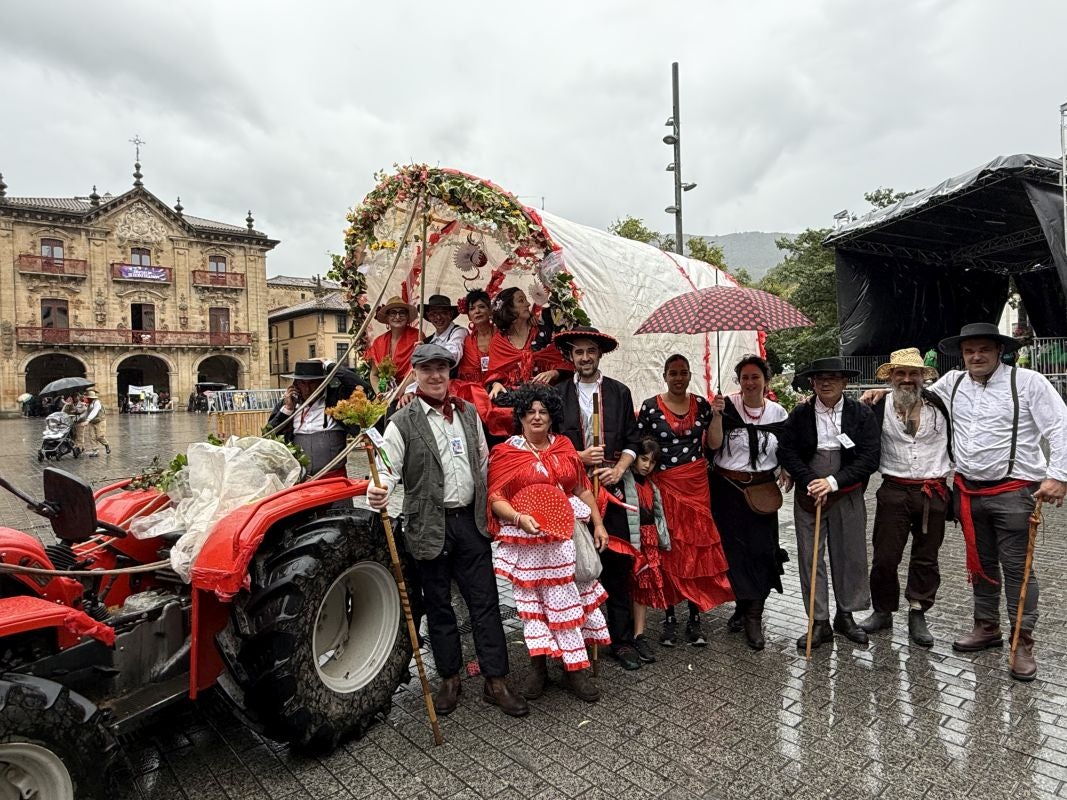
(596, 498)
(398, 573)
(814, 575)
(1035, 520)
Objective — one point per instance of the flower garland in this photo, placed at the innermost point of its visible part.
(476, 203)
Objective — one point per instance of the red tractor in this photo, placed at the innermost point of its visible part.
(292, 610)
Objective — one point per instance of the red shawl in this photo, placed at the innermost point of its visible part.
(379, 349)
(513, 367)
(511, 468)
(470, 366)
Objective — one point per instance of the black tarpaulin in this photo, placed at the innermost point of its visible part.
(917, 271)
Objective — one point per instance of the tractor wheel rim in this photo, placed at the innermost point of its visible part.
(32, 771)
(356, 626)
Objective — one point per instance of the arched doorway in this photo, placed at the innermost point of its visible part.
(44, 369)
(142, 370)
(219, 369)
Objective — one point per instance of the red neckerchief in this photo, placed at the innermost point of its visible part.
(444, 405)
(679, 424)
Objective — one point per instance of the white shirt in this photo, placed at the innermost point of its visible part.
(94, 410)
(734, 451)
(981, 425)
(459, 479)
(828, 424)
(313, 419)
(585, 408)
(924, 455)
(451, 338)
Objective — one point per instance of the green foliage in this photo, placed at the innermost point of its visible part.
(787, 398)
(159, 477)
(703, 250)
(634, 228)
(806, 278)
(883, 197)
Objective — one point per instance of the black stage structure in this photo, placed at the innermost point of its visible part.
(917, 271)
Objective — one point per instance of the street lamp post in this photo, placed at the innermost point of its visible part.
(675, 139)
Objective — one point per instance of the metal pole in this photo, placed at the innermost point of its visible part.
(677, 162)
(1063, 168)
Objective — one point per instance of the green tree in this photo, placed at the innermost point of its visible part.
(883, 197)
(634, 228)
(806, 278)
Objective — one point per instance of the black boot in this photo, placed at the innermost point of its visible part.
(736, 621)
(821, 633)
(753, 624)
(845, 624)
(918, 630)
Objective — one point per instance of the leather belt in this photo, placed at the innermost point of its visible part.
(452, 512)
(741, 476)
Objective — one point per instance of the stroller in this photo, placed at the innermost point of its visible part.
(57, 439)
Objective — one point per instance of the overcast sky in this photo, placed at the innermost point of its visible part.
(790, 110)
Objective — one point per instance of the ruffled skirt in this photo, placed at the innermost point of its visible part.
(647, 586)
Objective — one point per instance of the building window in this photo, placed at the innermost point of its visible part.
(291, 329)
(342, 354)
(311, 351)
(342, 323)
(140, 256)
(53, 249)
(54, 313)
(216, 264)
(143, 317)
(285, 359)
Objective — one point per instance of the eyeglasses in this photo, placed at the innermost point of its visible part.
(396, 312)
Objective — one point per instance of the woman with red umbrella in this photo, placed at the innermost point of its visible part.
(695, 566)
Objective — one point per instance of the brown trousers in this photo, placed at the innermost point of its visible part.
(898, 514)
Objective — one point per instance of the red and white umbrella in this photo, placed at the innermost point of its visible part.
(724, 308)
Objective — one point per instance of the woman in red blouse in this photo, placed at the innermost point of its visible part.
(397, 344)
(521, 350)
(474, 366)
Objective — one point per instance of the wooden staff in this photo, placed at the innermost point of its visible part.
(398, 573)
(596, 498)
(1035, 521)
(814, 575)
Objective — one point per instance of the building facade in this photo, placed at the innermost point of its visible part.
(127, 291)
(315, 328)
(284, 291)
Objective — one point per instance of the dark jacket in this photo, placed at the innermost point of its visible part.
(618, 423)
(799, 440)
(343, 383)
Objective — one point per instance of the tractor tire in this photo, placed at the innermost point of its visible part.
(53, 742)
(323, 640)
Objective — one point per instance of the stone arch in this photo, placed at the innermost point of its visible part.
(140, 369)
(223, 368)
(42, 368)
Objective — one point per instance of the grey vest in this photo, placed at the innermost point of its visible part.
(424, 510)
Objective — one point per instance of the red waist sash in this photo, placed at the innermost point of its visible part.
(974, 564)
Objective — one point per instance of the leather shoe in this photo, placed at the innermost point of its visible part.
(580, 684)
(498, 693)
(752, 623)
(878, 621)
(536, 680)
(984, 635)
(821, 633)
(447, 697)
(918, 630)
(844, 623)
(736, 622)
(1024, 668)
(626, 655)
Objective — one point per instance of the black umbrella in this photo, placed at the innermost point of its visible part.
(66, 385)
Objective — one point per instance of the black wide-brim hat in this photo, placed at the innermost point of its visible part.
(564, 340)
(439, 301)
(830, 364)
(308, 371)
(978, 330)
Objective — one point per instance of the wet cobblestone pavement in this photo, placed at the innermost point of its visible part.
(890, 720)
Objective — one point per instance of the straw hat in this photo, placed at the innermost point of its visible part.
(394, 302)
(909, 357)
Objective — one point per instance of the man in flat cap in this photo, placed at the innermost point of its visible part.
(435, 445)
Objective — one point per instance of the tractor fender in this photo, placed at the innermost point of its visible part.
(22, 550)
(222, 564)
(24, 613)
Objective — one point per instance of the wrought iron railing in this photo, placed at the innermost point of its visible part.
(126, 336)
(141, 272)
(46, 265)
(227, 280)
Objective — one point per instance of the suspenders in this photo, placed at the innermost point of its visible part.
(1014, 417)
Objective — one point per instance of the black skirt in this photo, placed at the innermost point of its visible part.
(750, 541)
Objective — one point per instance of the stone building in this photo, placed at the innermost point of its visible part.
(287, 290)
(314, 328)
(127, 291)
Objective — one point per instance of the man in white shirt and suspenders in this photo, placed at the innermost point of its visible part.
(999, 416)
(913, 498)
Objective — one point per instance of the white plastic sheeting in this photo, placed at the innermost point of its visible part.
(217, 480)
(623, 281)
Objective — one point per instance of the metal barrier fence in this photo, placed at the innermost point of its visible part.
(868, 365)
(242, 412)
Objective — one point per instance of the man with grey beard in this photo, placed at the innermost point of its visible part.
(913, 497)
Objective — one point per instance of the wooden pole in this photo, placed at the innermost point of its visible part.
(401, 585)
(814, 576)
(1035, 521)
(596, 499)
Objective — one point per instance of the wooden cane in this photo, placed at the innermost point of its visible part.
(398, 573)
(814, 575)
(1035, 521)
(596, 498)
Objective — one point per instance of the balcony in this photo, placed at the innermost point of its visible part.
(46, 265)
(124, 337)
(141, 273)
(221, 280)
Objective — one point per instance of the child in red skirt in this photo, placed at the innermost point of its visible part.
(648, 534)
